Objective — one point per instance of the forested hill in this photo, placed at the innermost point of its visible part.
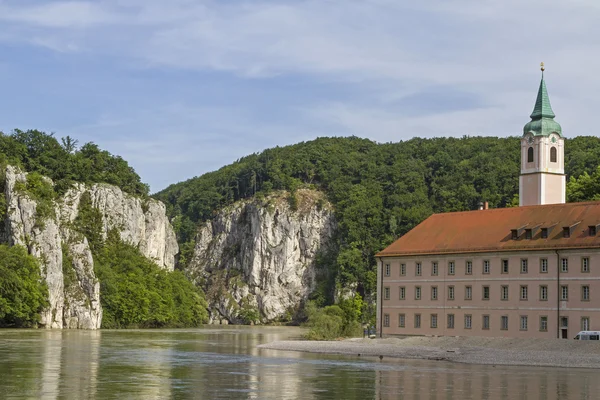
(379, 191)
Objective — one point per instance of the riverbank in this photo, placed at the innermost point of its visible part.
(471, 350)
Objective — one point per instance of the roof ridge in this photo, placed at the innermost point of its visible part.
(573, 204)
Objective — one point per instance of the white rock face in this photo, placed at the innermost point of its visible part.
(42, 241)
(261, 254)
(75, 295)
(142, 224)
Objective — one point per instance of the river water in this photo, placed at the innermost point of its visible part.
(224, 362)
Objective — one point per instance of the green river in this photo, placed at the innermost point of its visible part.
(224, 363)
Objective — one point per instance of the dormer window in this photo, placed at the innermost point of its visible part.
(592, 229)
(516, 233)
(528, 234)
(567, 230)
(544, 233)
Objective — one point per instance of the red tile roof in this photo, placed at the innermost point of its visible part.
(490, 230)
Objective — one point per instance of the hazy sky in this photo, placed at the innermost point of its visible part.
(183, 87)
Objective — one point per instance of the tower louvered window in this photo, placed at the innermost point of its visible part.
(553, 154)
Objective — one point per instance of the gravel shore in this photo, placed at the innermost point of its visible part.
(472, 350)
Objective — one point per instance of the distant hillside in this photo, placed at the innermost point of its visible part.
(378, 191)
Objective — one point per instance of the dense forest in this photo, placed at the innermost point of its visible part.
(379, 191)
(135, 292)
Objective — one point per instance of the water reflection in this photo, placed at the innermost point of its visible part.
(421, 380)
(51, 364)
(226, 363)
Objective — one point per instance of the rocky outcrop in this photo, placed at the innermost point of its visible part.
(67, 266)
(142, 223)
(257, 258)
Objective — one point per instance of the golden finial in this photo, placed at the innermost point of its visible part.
(542, 67)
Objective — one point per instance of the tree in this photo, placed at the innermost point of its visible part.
(22, 294)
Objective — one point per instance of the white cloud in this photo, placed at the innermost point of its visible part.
(432, 41)
(62, 14)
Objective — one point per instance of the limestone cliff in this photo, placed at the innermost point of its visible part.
(256, 260)
(66, 259)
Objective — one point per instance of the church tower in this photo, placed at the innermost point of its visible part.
(542, 179)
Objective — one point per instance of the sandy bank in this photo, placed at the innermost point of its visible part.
(473, 350)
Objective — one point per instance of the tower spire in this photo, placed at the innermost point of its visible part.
(542, 118)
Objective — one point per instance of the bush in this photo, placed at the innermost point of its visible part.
(325, 323)
(335, 321)
(38, 188)
(22, 294)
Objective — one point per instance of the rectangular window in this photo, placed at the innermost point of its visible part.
(468, 293)
(543, 323)
(434, 320)
(585, 264)
(585, 323)
(401, 320)
(527, 233)
(564, 292)
(564, 322)
(417, 320)
(386, 320)
(468, 321)
(523, 292)
(450, 321)
(585, 293)
(523, 325)
(504, 322)
(486, 293)
(566, 232)
(387, 269)
(434, 293)
(469, 268)
(451, 268)
(524, 266)
(505, 266)
(486, 266)
(485, 323)
(544, 265)
(402, 292)
(402, 269)
(418, 269)
(564, 265)
(386, 293)
(450, 292)
(514, 234)
(504, 292)
(417, 292)
(592, 230)
(434, 268)
(544, 233)
(543, 292)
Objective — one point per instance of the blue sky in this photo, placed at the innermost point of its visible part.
(181, 87)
